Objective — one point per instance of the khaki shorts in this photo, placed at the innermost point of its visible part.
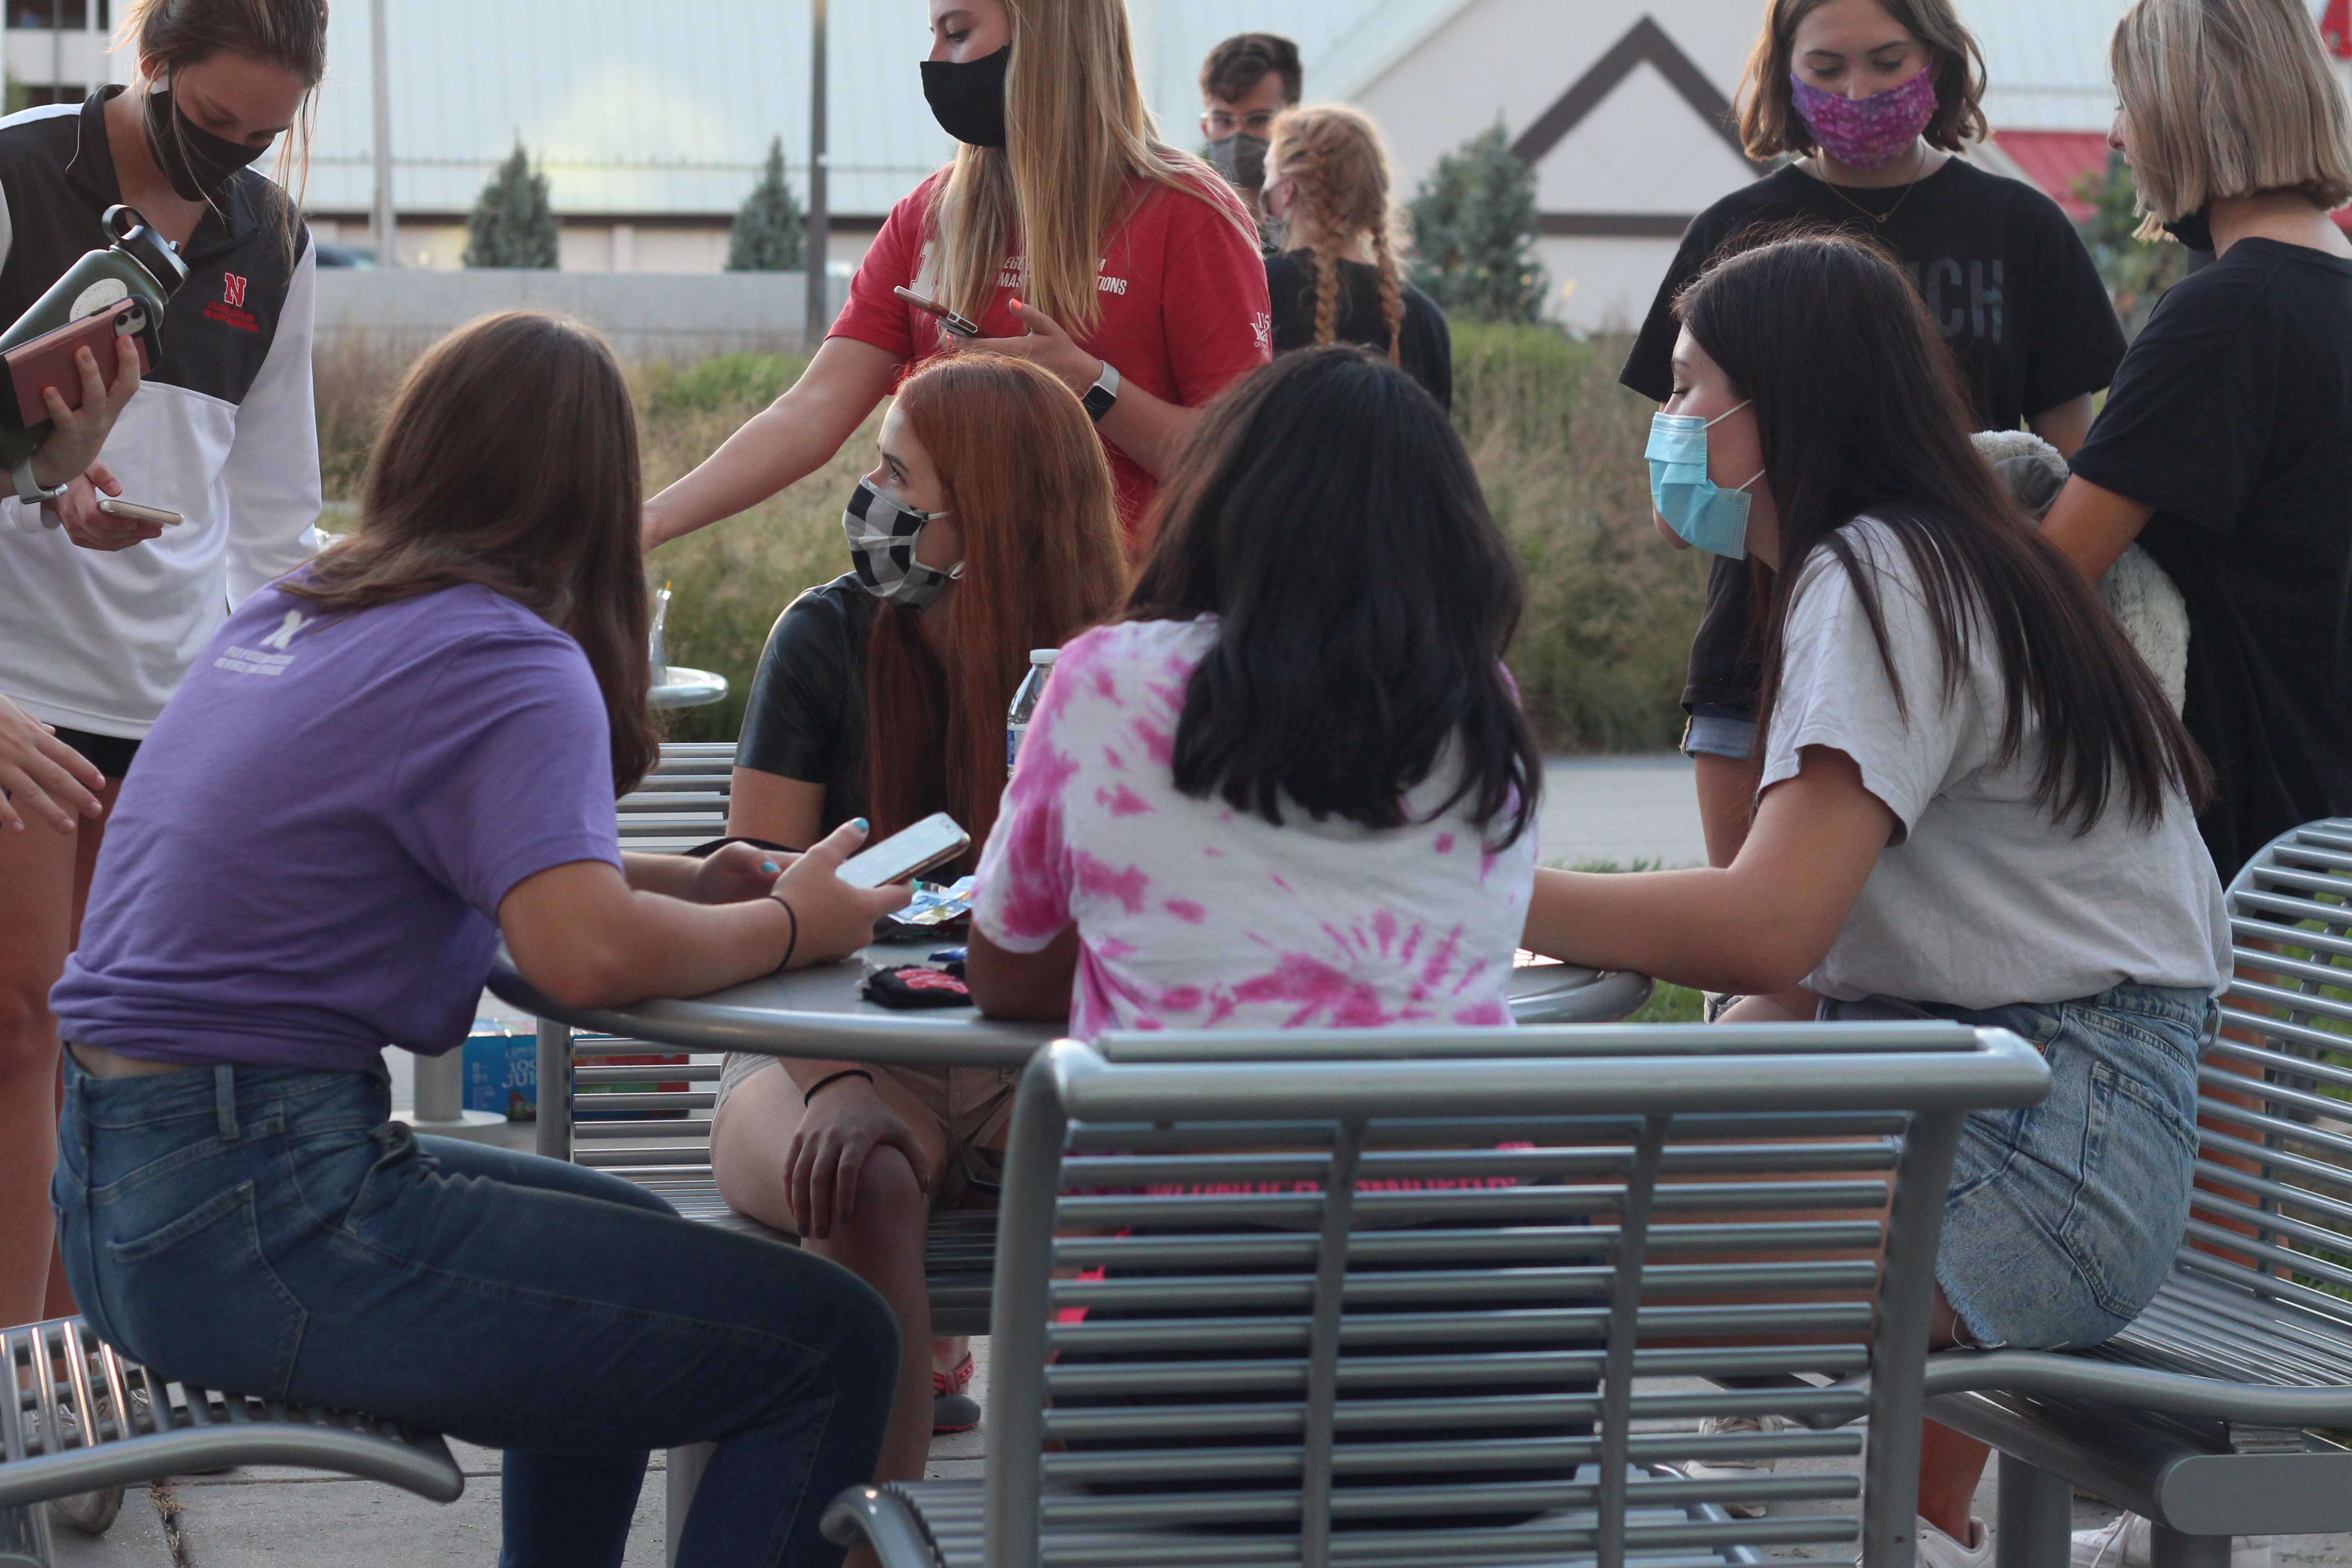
(974, 1106)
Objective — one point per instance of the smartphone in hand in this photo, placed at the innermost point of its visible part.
(137, 513)
(931, 842)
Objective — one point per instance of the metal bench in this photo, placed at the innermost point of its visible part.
(2197, 1417)
(84, 1419)
(1355, 1298)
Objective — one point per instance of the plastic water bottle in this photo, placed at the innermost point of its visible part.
(1024, 702)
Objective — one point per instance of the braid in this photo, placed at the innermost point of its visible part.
(1326, 295)
(1391, 293)
(1332, 155)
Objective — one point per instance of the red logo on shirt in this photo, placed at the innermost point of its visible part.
(228, 308)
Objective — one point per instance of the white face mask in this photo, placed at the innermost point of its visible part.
(882, 535)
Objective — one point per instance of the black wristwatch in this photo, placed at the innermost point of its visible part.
(1103, 395)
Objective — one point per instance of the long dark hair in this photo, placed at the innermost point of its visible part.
(1861, 412)
(510, 458)
(1327, 513)
(1028, 483)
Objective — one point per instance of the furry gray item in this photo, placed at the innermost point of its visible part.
(2145, 601)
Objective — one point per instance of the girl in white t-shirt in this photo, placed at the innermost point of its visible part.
(1291, 787)
(1975, 802)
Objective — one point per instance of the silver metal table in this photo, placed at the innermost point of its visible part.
(682, 688)
(818, 1013)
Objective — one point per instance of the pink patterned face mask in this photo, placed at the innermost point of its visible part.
(1868, 132)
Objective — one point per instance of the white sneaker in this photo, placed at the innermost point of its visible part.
(1733, 1469)
(2123, 1543)
(1938, 1550)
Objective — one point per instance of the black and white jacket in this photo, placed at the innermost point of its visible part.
(224, 433)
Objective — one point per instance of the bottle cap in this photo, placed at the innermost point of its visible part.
(135, 240)
(1044, 655)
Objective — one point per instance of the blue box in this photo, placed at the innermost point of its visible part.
(502, 1068)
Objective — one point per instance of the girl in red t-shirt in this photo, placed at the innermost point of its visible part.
(1063, 229)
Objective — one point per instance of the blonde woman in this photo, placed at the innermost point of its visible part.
(1337, 279)
(1065, 230)
(2225, 448)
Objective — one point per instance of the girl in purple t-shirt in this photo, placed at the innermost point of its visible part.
(381, 766)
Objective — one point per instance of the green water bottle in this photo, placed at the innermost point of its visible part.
(140, 265)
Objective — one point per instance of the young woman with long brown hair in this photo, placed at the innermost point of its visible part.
(883, 693)
(101, 617)
(424, 733)
(1337, 279)
(1065, 229)
(1974, 802)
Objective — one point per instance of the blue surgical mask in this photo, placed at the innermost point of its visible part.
(1700, 511)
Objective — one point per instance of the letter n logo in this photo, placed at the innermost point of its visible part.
(232, 289)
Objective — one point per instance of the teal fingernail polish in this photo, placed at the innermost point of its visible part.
(860, 824)
(770, 867)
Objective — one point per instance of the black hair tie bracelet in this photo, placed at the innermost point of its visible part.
(793, 944)
(810, 1092)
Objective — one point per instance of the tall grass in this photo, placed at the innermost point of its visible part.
(1557, 445)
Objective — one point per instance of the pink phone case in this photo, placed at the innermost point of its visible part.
(49, 360)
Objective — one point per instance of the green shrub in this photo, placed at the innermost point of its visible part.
(767, 235)
(1474, 224)
(1599, 654)
(512, 225)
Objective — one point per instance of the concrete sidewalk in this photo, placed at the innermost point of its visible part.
(271, 1517)
(1622, 810)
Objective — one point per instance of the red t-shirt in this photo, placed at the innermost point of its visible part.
(1185, 307)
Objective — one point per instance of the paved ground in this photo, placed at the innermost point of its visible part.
(268, 1518)
(1622, 810)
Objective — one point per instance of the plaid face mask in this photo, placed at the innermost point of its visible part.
(882, 536)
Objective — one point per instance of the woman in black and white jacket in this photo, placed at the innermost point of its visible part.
(101, 618)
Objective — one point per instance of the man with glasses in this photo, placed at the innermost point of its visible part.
(1246, 81)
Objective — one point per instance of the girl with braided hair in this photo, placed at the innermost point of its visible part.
(1335, 280)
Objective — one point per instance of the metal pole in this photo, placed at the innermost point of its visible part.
(382, 229)
(820, 218)
(57, 50)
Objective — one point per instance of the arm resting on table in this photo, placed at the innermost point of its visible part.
(1758, 926)
(1025, 987)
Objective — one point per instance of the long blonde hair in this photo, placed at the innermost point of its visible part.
(2229, 97)
(1077, 137)
(1338, 171)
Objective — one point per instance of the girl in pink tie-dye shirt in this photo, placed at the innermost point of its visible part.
(1291, 787)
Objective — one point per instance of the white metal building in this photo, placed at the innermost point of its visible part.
(651, 117)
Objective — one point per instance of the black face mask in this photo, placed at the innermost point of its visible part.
(2195, 229)
(1241, 159)
(198, 164)
(967, 97)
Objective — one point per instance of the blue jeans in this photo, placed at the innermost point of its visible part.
(2063, 1217)
(269, 1231)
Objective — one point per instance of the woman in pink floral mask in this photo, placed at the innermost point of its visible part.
(1875, 97)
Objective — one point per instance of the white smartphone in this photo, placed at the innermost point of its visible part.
(137, 513)
(928, 842)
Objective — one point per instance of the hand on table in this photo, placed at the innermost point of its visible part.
(41, 774)
(1049, 348)
(843, 1122)
(737, 873)
(836, 919)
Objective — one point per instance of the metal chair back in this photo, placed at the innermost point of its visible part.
(683, 802)
(1319, 1303)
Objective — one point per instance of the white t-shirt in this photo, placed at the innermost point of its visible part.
(1193, 915)
(1981, 899)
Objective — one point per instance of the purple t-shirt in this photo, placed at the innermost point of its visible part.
(306, 861)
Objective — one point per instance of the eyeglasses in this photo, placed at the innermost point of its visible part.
(1220, 125)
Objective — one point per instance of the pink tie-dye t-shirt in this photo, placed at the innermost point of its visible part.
(1193, 915)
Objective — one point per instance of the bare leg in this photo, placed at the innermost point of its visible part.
(44, 878)
(1950, 1466)
(882, 1245)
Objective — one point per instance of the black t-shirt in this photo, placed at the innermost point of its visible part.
(2232, 416)
(2004, 276)
(1425, 351)
(806, 719)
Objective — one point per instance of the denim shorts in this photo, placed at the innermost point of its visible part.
(2063, 1216)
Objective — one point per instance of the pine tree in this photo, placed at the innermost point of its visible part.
(1474, 227)
(511, 224)
(2136, 271)
(769, 229)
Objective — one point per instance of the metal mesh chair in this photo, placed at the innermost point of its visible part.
(84, 1419)
(1336, 1305)
(2195, 1415)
